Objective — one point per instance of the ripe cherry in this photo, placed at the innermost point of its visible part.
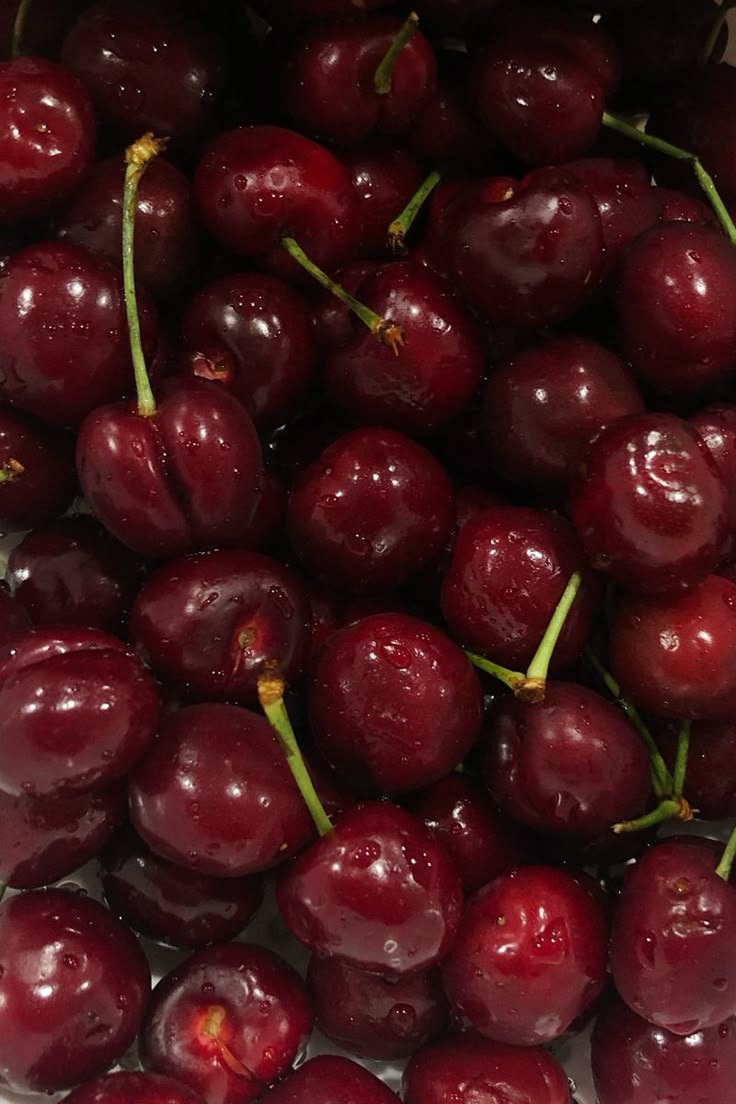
(716, 424)
(626, 201)
(711, 765)
(14, 619)
(326, 1079)
(385, 177)
(133, 1088)
(37, 480)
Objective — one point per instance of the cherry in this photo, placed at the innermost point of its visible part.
(372, 1016)
(207, 623)
(43, 841)
(330, 1079)
(626, 201)
(675, 206)
(170, 903)
(223, 807)
(371, 511)
(711, 766)
(73, 988)
(394, 704)
(376, 890)
(133, 1088)
(71, 571)
(228, 1022)
(716, 424)
(48, 135)
(147, 65)
(333, 321)
(38, 479)
(672, 942)
(635, 1061)
(252, 333)
(545, 403)
(529, 958)
(14, 619)
(468, 1070)
(385, 177)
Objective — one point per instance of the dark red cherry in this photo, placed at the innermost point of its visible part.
(371, 511)
(63, 336)
(14, 619)
(509, 568)
(170, 903)
(255, 184)
(48, 135)
(546, 402)
(465, 1069)
(207, 623)
(269, 519)
(133, 1088)
(333, 321)
(330, 1079)
(42, 841)
(253, 334)
(673, 940)
(38, 480)
(214, 794)
(227, 1022)
(148, 65)
(447, 132)
(635, 1061)
(711, 765)
(377, 891)
(675, 656)
(71, 571)
(530, 956)
(675, 206)
(73, 988)
(394, 704)
(626, 201)
(76, 711)
(166, 232)
(716, 424)
(385, 177)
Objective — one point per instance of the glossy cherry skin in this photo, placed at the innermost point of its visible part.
(76, 711)
(73, 989)
(716, 424)
(73, 572)
(255, 184)
(633, 1060)
(214, 794)
(626, 201)
(372, 510)
(543, 405)
(43, 841)
(133, 1088)
(166, 237)
(436, 371)
(330, 1079)
(208, 623)
(148, 65)
(465, 1069)
(675, 206)
(63, 336)
(46, 485)
(509, 568)
(530, 956)
(170, 903)
(394, 704)
(674, 291)
(673, 936)
(523, 254)
(385, 177)
(228, 1022)
(650, 505)
(252, 333)
(48, 136)
(377, 891)
(711, 765)
(675, 656)
(571, 764)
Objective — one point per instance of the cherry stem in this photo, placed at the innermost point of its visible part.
(670, 808)
(10, 470)
(614, 122)
(138, 156)
(715, 29)
(402, 224)
(384, 72)
(662, 782)
(19, 26)
(212, 1026)
(513, 679)
(683, 749)
(723, 870)
(271, 688)
(389, 333)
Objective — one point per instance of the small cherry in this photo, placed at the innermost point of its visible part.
(711, 766)
(37, 477)
(330, 1079)
(716, 424)
(676, 206)
(133, 1088)
(385, 177)
(626, 201)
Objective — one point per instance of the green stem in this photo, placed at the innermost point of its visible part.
(513, 679)
(668, 809)
(614, 122)
(382, 79)
(683, 749)
(271, 697)
(388, 332)
(137, 159)
(538, 669)
(10, 470)
(715, 29)
(723, 870)
(19, 24)
(402, 224)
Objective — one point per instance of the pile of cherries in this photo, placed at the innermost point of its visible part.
(368, 432)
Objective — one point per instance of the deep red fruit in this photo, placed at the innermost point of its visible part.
(47, 137)
(214, 794)
(716, 424)
(73, 987)
(133, 1088)
(14, 619)
(330, 1079)
(39, 478)
(228, 1022)
(626, 201)
(673, 941)
(675, 206)
(385, 177)
(467, 1070)
(530, 956)
(76, 711)
(377, 891)
(208, 623)
(711, 765)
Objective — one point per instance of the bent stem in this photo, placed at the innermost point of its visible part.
(271, 688)
(683, 750)
(384, 72)
(138, 156)
(513, 679)
(402, 224)
(389, 333)
(723, 870)
(19, 26)
(671, 808)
